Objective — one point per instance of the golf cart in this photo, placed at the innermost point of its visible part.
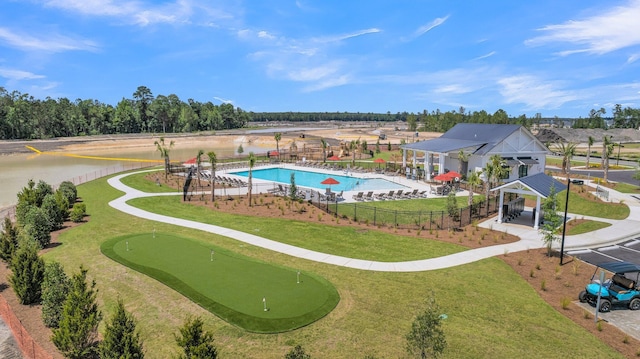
(622, 289)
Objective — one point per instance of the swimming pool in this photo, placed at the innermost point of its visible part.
(313, 179)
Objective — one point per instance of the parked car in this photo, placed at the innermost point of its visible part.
(622, 289)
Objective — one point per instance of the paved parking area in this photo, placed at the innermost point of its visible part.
(628, 251)
(626, 320)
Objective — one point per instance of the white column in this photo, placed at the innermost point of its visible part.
(537, 219)
(500, 206)
(440, 163)
(427, 174)
(404, 158)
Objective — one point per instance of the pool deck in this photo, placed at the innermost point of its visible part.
(261, 186)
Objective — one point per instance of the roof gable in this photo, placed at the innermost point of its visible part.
(539, 183)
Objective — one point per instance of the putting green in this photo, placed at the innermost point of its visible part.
(227, 284)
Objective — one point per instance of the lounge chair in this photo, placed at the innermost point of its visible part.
(381, 196)
(339, 196)
(399, 194)
(359, 196)
(422, 194)
(412, 194)
(369, 196)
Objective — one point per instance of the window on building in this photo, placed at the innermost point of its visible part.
(523, 171)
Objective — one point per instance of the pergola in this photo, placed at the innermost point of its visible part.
(538, 185)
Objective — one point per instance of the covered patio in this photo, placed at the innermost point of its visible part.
(538, 185)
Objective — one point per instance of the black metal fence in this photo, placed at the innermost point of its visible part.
(426, 220)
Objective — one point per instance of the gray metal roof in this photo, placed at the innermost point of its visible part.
(539, 183)
(443, 145)
(481, 136)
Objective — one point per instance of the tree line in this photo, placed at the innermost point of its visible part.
(24, 117)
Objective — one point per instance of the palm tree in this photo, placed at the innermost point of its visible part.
(607, 150)
(473, 181)
(278, 136)
(494, 170)
(462, 157)
(589, 144)
(213, 160)
(323, 143)
(567, 151)
(252, 162)
(353, 145)
(198, 165)
(164, 153)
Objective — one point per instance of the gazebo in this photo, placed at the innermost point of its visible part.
(538, 185)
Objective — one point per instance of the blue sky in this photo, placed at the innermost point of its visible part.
(557, 58)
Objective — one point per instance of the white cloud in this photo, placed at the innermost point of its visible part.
(607, 31)
(265, 35)
(222, 100)
(13, 74)
(485, 56)
(347, 36)
(314, 73)
(143, 14)
(328, 83)
(49, 42)
(534, 92)
(430, 26)
(633, 58)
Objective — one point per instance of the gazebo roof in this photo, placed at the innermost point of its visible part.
(539, 183)
(443, 145)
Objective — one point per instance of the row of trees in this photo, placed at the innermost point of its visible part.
(24, 117)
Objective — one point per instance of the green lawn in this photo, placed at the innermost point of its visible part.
(588, 226)
(227, 284)
(139, 182)
(592, 207)
(491, 310)
(338, 240)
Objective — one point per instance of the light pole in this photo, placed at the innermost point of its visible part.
(618, 158)
(564, 225)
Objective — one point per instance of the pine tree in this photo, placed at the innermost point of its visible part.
(8, 240)
(195, 342)
(121, 340)
(77, 333)
(55, 288)
(297, 353)
(27, 272)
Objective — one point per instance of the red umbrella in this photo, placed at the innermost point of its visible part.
(191, 161)
(334, 158)
(453, 174)
(379, 160)
(329, 181)
(274, 154)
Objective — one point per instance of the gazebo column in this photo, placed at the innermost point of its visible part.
(536, 222)
(500, 206)
(440, 163)
(404, 158)
(427, 173)
(415, 155)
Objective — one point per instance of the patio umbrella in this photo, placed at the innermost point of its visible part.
(274, 154)
(334, 158)
(190, 162)
(379, 161)
(443, 177)
(330, 181)
(453, 174)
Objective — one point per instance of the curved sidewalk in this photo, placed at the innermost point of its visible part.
(528, 239)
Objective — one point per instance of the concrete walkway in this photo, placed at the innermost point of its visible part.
(529, 238)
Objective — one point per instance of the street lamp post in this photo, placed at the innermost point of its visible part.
(564, 225)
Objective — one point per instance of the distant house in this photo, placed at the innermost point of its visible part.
(522, 152)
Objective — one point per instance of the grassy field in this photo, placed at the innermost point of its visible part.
(338, 240)
(587, 226)
(491, 310)
(227, 284)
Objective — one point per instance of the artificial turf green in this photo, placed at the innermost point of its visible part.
(227, 284)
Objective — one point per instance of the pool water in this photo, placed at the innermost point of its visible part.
(313, 179)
